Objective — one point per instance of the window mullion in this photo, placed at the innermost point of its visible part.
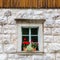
(29, 34)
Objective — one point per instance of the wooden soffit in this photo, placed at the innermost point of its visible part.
(29, 4)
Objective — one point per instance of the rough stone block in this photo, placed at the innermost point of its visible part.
(9, 48)
(6, 41)
(49, 23)
(11, 59)
(54, 47)
(1, 48)
(45, 50)
(6, 36)
(57, 23)
(57, 39)
(49, 57)
(5, 30)
(45, 47)
(11, 56)
(37, 12)
(18, 56)
(3, 56)
(37, 57)
(48, 38)
(0, 29)
(1, 38)
(58, 56)
(9, 31)
(9, 26)
(56, 31)
(47, 31)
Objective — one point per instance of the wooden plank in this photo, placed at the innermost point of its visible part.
(57, 3)
(34, 3)
(41, 3)
(44, 3)
(22, 3)
(6, 3)
(28, 3)
(1, 3)
(13, 3)
(53, 3)
(49, 3)
(18, 4)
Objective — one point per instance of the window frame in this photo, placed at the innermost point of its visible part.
(30, 25)
(30, 35)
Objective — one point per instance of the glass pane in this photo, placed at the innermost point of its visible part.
(25, 31)
(34, 31)
(34, 38)
(25, 38)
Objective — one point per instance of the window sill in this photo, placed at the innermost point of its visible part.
(30, 53)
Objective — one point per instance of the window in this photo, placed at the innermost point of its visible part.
(30, 30)
(31, 35)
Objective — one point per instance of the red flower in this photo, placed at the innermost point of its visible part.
(25, 42)
(25, 39)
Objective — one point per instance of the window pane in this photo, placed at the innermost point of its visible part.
(34, 31)
(25, 38)
(34, 38)
(25, 31)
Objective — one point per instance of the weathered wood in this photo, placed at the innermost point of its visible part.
(57, 3)
(1, 3)
(30, 3)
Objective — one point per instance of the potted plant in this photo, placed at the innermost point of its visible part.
(29, 48)
(25, 44)
(34, 45)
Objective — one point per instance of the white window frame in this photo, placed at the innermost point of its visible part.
(30, 23)
(30, 32)
(40, 37)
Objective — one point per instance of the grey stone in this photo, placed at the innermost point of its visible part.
(56, 31)
(49, 57)
(47, 31)
(9, 48)
(54, 47)
(48, 38)
(3, 56)
(58, 56)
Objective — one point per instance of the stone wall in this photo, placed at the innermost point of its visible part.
(8, 36)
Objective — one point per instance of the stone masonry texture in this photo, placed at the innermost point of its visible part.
(8, 34)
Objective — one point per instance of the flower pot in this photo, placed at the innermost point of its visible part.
(24, 49)
(34, 49)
